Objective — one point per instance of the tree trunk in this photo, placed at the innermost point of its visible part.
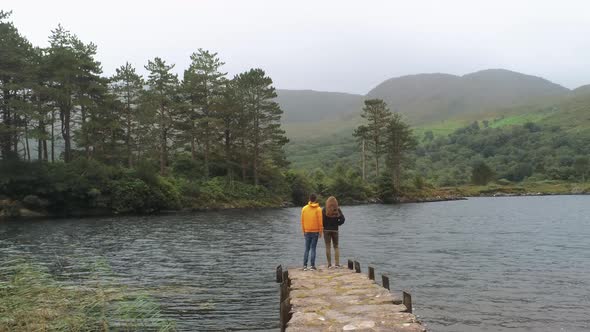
(45, 157)
(27, 147)
(41, 128)
(85, 132)
(52, 136)
(128, 143)
(377, 165)
(65, 116)
(206, 150)
(39, 149)
(228, 153)
(193, 147)
(128, 136)
(256, 147)
(364, 161)
(5, 139)
(377, 154)
(377, 141)
(15, 145)
(243, 160)
(163, 152)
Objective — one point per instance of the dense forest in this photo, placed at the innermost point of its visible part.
(529, 152)
(73, 140)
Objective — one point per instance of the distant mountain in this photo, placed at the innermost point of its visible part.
(311, 106)
(426, 98)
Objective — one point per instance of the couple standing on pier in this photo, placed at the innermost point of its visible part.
(316, 221)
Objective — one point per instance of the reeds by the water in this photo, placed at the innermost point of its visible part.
(32, 300)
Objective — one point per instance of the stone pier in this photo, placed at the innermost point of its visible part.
(341, 300)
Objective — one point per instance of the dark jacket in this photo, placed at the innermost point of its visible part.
(332, 223)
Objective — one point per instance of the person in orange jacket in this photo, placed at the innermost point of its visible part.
(312, 227)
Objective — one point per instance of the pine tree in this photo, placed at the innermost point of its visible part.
(127, 86)
(74, 77)
(163, 86)
(16, 54)
(41, 101)
(91, 93)
(399, 141)
(204, 86)
(263, 135)
(361, 134)
(231, 116)
(377, 115)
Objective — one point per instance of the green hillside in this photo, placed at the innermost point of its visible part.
(572, 113)
(519, 100)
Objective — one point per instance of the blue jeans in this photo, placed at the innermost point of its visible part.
(311, 241)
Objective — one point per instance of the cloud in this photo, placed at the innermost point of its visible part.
(347, 46)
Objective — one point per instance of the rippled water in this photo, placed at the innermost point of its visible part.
(495, 264)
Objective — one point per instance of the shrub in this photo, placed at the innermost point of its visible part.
(481, 174)
(185, 166)
(347, 185)
(131, 195)
(300, 187)
(385, 189)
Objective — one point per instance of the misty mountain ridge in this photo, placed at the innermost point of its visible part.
(426, 98)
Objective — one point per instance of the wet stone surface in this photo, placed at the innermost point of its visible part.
(342, 300)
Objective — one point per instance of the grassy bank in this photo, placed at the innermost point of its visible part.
(523, 188)
(428, 193)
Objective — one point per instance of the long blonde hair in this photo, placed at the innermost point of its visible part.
(332, 207)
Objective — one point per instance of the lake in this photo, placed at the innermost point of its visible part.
(495, 264)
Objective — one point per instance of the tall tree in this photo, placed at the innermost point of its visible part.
(127, 85)
(103, 129)
(377, 115)
(399, 141)
(361, 134)
(74, 74)
(163, 85)
(231, 116)
(90, 89)
(15, 77)
(204, 86)
(41, 103)
(263, 129)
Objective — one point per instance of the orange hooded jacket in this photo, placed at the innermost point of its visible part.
(311, 218)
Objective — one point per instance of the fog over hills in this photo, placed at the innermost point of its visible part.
(425, 98)
(309, 105)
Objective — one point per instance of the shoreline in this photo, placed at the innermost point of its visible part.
(27, 214)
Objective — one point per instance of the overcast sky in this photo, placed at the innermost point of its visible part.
(347, 46)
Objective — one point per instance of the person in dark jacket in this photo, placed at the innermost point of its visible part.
(332, 218)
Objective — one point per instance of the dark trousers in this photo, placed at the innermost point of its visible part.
(331, 237)
(311, 242)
